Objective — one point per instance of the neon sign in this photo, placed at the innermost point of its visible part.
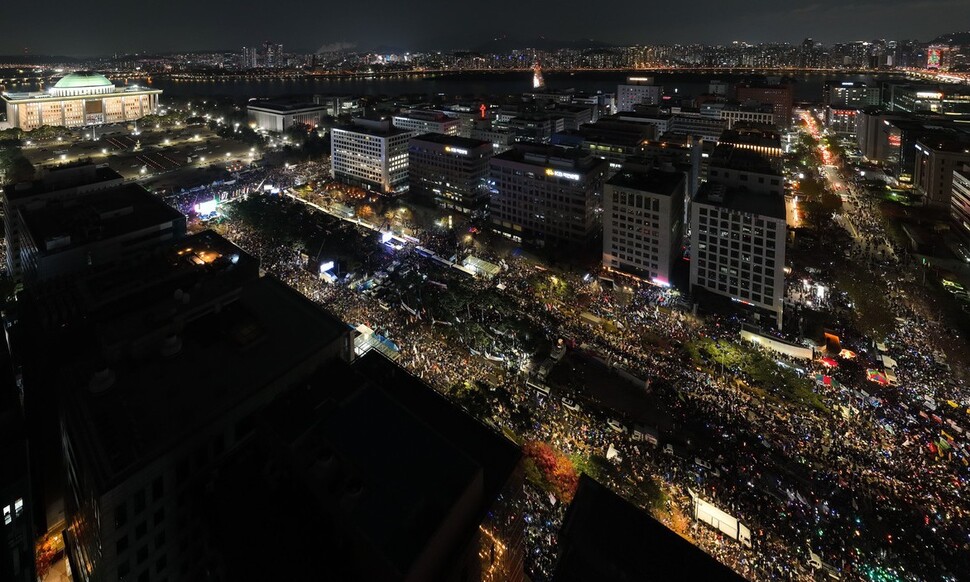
(561, 174)
(483, 109)
(458, 151)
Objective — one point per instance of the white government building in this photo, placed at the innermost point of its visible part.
(79, 99)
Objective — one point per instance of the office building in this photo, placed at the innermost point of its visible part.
(16, 505)
(852, 94)
(337, 105)
(52, 185)
(501, 138)
(745, 169)
(545, 195)
(273, 56)
(371, 154)
(615, 141)
(950, 100)
(79, 99)
(842, 119)
(755, 137)
(960, 198)
(936, 162)
(661, 121)
(535, 127)
(62, 237)
(422, 121)
(738, 247)
(278, 116)
(163, 364)
(637, 91)
(450, 170)
(643, 221)
(696, 125)
(778, 96)
(444, 511)
(604, 537)
(735, 113)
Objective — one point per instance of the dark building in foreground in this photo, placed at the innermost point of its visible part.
(161, 361)
(603, 537)
(17, 528)
(373, 476)
(212, 427)
(450, 170)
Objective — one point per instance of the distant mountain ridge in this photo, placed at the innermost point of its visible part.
(507, 43)
(958, 38)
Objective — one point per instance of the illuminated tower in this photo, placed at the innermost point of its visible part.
(537, 80)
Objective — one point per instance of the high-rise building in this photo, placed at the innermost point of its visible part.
(371, 154)
(60, 238)
(79, 99)
(450, 170)
(738, 247)
(643, 214)
(546, 195)
(936, 161)
(852, 94)
(736, 166)
(423, 121)
(16, 500)
(778, 96)
(273, 56)
(52, 186)
(249, 58)
(960, 198)
(162, 364)
(637, 91)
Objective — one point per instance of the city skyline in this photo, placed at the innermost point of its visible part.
(213, 26)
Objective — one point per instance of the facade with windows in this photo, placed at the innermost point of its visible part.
(80, 99)
(737, 166)
(936, 160)
(371, 154)
(637, 91)
(142, 432)
(643, 223)
(738, 247)
(450, 170)
(546, 195)
(279, 116)
(960, 198)
(421, 121)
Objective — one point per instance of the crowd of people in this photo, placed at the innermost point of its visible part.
(854, 481)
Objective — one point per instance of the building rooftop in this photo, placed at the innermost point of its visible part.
(451, 140)
(375, 127)
(159, 349)
(770, 205)
(540, 155)
(604, 537)
(82, 79)
(81, 220)
(726, 155)
(375, 512)
(655, 182)
(283, 106)
(943, 144)
(61, 178)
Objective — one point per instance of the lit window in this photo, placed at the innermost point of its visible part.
(7, 518)
(18, 507)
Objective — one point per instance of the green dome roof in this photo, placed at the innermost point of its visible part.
(82, 79)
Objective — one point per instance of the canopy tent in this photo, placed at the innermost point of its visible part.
(877, 377)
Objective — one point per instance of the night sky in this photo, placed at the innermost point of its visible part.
(301, 25)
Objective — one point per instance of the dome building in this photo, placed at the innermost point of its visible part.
(80, 99)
